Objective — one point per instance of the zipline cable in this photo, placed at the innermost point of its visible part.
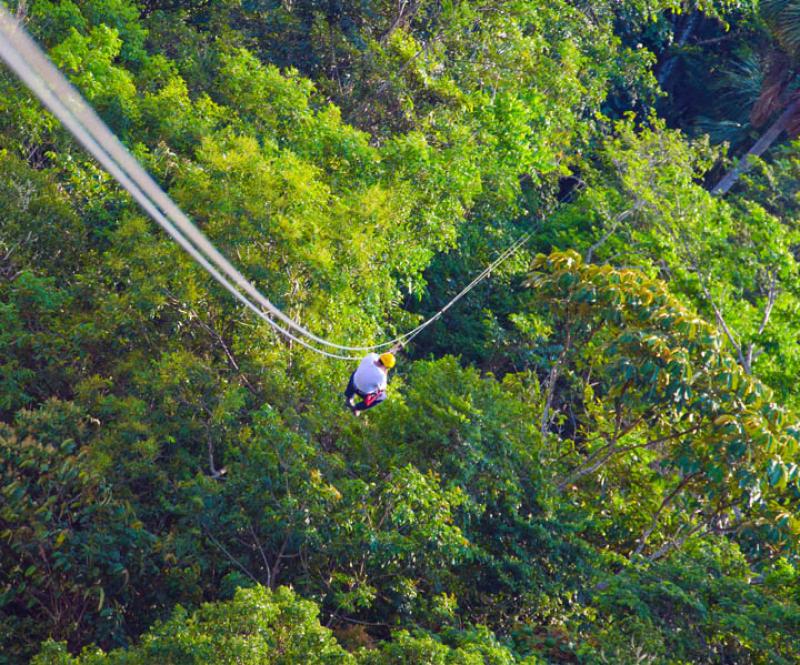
(26, 59)
(11, 56)
(411, 334)
(50, 77)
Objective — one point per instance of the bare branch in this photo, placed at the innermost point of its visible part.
(621, 217)
(215, 472)
(229, 556)
(664, 503)
(213, 332)
(263, 554)
(551, 384)
(280, 556)
(582, 470)
(772, 293)
(743, 359)
(357, 621)
(402, 17)
(675, 543)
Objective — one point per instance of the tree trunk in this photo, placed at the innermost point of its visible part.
(669, 65)
(759, 148)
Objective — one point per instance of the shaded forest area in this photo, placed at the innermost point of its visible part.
(593, 458)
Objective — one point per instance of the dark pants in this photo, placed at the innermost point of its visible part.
(369, 400)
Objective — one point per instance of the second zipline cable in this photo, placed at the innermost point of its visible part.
(25, 58)
(53, 102)
(40, 75)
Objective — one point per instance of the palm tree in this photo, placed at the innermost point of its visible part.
(779, 91)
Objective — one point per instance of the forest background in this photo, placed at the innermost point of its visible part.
(591, 459)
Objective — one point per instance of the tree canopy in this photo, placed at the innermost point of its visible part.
(592, 458)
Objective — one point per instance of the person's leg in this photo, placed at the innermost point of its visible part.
(350, 391)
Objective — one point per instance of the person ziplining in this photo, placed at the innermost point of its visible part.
(22, 55)
(370, 380)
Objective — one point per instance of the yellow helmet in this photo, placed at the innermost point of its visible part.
(387, 360)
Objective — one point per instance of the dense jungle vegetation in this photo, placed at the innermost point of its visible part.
(593, 458)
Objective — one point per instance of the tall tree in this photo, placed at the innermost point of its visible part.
(778, 95)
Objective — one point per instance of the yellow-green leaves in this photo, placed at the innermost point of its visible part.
(666, 390)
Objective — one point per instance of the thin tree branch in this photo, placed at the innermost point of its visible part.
(621, 217)
(358, 621)
(215, 473)
(402, 17)
(263, 554)
(582, 470)
(276, 567)
(664, 503)
(551, 384)
(612, 440)
(230, 557)
(213, 332)
(718, 312)
(676, 542)
(772, 293)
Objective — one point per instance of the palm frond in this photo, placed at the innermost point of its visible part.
(738, 84)
(771, 10)
(783, 19)
(722, 131)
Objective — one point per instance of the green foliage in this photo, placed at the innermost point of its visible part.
(665, 394)
(600, 467)
(702, 604)
(30, 328)
(474, 648)
(260, 625)
(69, 548)
(733, 259)
(781, 17)
(257, 626)
(38, 221)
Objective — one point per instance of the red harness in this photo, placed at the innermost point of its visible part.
(370, 399)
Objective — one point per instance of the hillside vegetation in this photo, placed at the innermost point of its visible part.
(592, 458)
